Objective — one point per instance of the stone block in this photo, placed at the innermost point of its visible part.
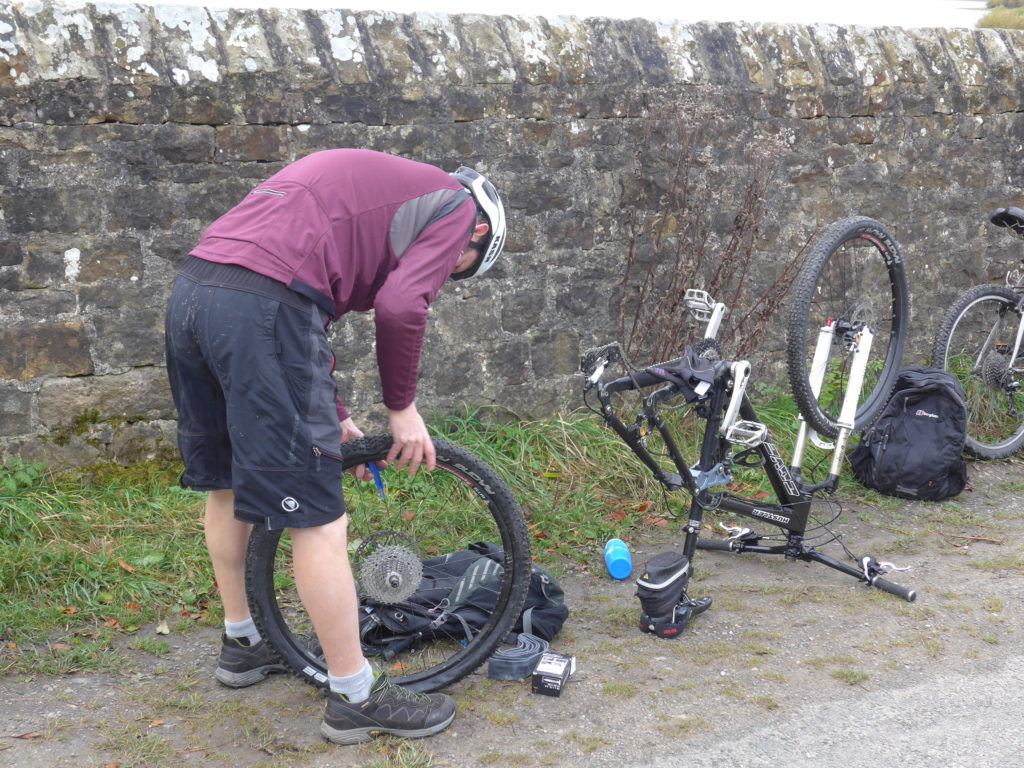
(193, 144)
(136, 207)
(353, 104)
(508, 363)
(11, 253)
(131, 336)
(138, 395)
(344, 53)
(88, 259)
(201, 103)
(57, 209)
(152, 441)
(247, 143)
(448, 372)
(467, 312)
(554, 353)
(30, 349)
(26, 303)
(15, 411)
(522, 307)
(69, 454)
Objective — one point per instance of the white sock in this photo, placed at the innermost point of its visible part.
(243, 630)
(355, 688)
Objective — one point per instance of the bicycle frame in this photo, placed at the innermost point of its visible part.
(1015, 282)
(1015, 352)
(731, 420)
(737, 422)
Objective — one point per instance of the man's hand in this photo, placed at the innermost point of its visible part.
(349, 431)
(412, 445)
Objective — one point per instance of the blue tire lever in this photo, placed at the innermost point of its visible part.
(377, 479)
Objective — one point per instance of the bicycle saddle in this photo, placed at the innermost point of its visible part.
(1009, 217)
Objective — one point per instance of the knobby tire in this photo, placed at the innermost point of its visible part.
(461, 502)
(854, 274)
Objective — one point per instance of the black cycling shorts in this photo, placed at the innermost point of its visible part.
(250, 372)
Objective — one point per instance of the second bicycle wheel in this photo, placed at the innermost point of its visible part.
(854, 278)
(975, 344)
(391, 533)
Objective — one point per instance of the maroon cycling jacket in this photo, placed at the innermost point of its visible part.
(355, 230)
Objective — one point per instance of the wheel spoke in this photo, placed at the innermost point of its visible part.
(395, 539)
(975, 344)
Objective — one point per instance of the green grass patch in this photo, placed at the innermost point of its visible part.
(1003, 18)
(682, 726)
(1005, 14)
(850, 676)
(619, 690)
(87, 557)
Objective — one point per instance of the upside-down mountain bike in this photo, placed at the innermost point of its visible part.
(980, 342)
(398, 525)
(846, 333)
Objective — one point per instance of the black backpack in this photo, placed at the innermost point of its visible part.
(913, 450)
(462, 581)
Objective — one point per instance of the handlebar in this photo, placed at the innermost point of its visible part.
(885, 585)
(639, 380)
(716, 545)
(594, 361)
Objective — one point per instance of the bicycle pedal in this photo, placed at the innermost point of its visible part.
(699, 303)
(698, 606)
(749, 433)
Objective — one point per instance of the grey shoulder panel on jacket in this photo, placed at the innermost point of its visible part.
(415, 215)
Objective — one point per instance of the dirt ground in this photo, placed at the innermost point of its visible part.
(779, 636)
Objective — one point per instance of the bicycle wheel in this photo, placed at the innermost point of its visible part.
(974, 343)
(460, 503)
(854, 277)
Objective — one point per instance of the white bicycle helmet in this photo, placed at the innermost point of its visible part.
(489, 204)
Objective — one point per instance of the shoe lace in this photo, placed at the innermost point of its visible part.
(389, 688)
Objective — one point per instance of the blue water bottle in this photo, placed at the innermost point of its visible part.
(618, 559)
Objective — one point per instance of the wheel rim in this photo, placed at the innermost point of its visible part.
(977, 353)
(432, 514)
(855, 288)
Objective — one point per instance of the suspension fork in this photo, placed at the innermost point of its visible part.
(826, 337)
(848, 412)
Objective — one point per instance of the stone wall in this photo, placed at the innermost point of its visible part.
(124, 130)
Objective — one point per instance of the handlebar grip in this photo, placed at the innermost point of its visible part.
(642, 378)
(885, 585)
(717, 545)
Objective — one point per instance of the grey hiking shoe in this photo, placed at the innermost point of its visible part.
(242, 664)
(390, 709)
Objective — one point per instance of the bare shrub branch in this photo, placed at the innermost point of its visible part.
(691, 228)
